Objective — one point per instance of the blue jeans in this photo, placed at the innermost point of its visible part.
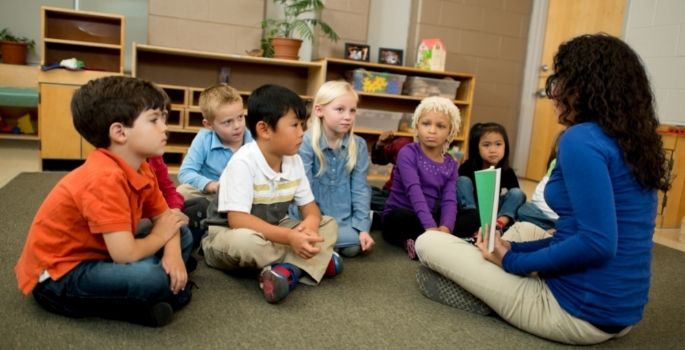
(347, 237)
(531, 213)
(508, 203)
(110, 290)
(466, 194)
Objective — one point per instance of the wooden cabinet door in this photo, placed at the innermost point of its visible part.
(565, 19)
(58, 138)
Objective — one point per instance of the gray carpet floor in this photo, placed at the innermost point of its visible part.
(374, 304)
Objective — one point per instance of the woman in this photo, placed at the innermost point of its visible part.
(589, 282)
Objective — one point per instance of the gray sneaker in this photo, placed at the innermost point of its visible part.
(443, 290)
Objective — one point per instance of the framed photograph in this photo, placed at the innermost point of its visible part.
(390, 56)
(357, 52)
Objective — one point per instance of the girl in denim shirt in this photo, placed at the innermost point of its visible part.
(337, 162)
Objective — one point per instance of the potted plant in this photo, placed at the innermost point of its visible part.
(287, 32)
(14, 48)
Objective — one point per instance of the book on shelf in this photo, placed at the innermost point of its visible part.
(487, 191)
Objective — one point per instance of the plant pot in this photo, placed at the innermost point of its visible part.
(13, 52)
(286, 48)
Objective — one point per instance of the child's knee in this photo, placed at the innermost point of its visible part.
(464, 182)
(350, 251)
(347, 236)
(224, 239)
(150, 280)
(516, 196)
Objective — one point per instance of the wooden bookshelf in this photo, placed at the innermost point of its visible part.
(18, 97)
(97, 39)
(184, 74)
(337, 68)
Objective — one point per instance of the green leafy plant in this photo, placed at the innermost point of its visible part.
(293, 24)
(6, 35)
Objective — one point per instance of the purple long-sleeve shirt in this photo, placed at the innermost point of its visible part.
(421, 184)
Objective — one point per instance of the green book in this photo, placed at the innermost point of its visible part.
(487, 190)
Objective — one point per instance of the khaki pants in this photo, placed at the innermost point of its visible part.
(190, 192)
(525, 302)
(233, 249)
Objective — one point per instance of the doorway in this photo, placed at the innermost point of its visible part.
(552, 23)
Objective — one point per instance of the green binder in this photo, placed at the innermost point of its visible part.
(487, 190)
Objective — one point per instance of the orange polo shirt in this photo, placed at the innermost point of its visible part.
(103, 195)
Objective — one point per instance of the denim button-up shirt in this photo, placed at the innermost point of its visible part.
(340, 194)
(206, 159)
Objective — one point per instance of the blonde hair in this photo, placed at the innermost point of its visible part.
(328, 92)
(438, 104)
(214, 97)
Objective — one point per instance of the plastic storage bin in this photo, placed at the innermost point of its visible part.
(424, 87)
(377, 119)
(378, 82)
(404, 124)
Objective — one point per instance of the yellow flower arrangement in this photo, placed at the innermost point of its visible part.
(374, 84)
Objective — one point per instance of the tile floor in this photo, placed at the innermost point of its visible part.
(23, 156)
(16, 157)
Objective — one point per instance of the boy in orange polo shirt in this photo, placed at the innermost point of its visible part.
(81, 257)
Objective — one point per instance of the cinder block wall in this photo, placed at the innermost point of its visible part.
(350, 19)
(226, 26)
(234, 26)
(487, 38)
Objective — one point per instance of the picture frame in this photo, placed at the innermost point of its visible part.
(357, 52)
(390, 56)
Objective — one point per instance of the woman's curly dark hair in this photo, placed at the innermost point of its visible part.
(600, 78)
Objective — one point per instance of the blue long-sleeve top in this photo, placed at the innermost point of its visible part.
(344, 195)
(206, 159)
(598, 262)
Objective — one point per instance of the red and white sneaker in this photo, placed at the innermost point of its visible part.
(335, 266)
(274, 286)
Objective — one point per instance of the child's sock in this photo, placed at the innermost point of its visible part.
(409, 247)
(334, 267)
(278, 280)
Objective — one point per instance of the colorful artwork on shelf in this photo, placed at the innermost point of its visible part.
(431, 55)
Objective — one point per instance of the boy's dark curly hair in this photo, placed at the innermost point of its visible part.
(599, 78)
(116, 99)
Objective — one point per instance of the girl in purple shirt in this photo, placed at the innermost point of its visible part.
(423, 195)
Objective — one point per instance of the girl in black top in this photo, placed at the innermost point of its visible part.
(488, 146)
